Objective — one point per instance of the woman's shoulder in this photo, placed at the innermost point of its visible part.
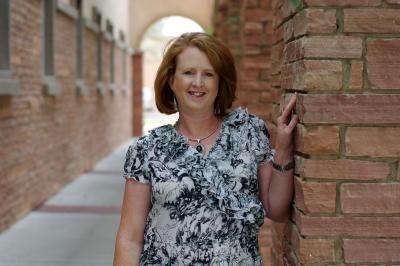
(241, 116)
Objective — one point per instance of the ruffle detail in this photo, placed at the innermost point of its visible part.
(235, 204)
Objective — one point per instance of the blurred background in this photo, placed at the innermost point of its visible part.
(76, 89)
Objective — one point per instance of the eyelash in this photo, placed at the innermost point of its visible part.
(189, 73)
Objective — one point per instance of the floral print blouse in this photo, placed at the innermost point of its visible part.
(205, 208)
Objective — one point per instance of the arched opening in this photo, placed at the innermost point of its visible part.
(153, 43)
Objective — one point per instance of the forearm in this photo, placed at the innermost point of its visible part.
(127, 252)
(280, 193)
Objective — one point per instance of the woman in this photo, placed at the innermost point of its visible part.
(197, 192)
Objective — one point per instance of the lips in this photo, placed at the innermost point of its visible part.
(197, 93)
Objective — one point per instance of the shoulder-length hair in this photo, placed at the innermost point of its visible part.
(220, 58)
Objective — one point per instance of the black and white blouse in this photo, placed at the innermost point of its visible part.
(205, 208)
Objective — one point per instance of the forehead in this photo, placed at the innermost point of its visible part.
(193, 57)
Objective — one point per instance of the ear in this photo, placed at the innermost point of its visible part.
(171, 82)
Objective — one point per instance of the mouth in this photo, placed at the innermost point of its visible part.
(197, 93)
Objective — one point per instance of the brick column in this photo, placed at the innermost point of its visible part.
(137, 102)
(342, 57)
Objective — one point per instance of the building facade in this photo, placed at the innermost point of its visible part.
(65, 97)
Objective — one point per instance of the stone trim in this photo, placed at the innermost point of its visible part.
(92, 26)
(100, 87)
(81, 87)
(51, 86)
(67, 9)
(8, 85)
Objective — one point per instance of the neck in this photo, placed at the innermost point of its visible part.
(197, 126)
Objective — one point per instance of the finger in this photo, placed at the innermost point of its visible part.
(289, 107)
(293, 122)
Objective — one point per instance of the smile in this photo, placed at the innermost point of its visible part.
(197, 93)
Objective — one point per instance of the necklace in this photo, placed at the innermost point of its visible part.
(200, 147)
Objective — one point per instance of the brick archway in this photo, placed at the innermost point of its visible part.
(145, 13)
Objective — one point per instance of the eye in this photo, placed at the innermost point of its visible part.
(209, 74)
(188, 72)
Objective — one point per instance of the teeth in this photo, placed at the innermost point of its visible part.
(196, 93)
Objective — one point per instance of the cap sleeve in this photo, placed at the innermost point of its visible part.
(260, 140)
(135, 166)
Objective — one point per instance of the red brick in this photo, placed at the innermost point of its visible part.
(342, 169)
(317, 140)
(312, 250)
(275, 80)
(288, 30)
(250, 74)
(252, 27)
(265, 74)
(248, 97)
(289, 8)
(398, 171)
(252, 4)
(373, 141)
(251, 50)
(258, 39)
(315, 197)
(323, 47)
(355, 108)
(343, 2)
(277, 36)
(356, 75)
(261, 109)
(276, 57)
(332, 46)
(383, 64)
(372, 20)
(309, 75)
(258, 14)
(278, 18)
(256, 61)
(371, 250)
(348, 226)
(370, 198)
(271, 96)
(315, 21)
(255, 85)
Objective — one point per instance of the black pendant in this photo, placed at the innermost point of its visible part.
(200, 148)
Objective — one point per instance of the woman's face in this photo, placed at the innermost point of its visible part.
(195, 83)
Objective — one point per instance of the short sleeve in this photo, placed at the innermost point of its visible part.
(260, 144)
(136, 162)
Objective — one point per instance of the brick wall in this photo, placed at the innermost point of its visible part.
(46, 141)
(341, 57)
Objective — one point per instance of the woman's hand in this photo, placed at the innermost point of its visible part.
(286, 123)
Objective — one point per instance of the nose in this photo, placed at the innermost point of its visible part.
(198, 80)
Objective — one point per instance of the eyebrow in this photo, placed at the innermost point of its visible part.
(191, 68)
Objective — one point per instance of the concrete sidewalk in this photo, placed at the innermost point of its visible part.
(76, 227)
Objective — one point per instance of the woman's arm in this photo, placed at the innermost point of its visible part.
(135, 208)
(276, 188)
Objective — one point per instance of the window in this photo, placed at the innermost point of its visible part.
(123, 48)
(50, 83)
(110, 33)
(8, 86)
(97, 21)
(80, 77)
